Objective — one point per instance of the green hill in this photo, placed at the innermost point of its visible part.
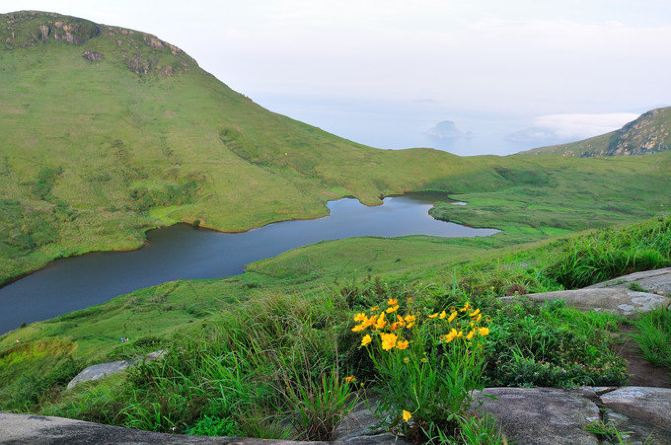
(650, 133)
(108, 132)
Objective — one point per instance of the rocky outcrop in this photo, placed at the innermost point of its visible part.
(649, 133)
(527, 416)
(618, 300)
(101, 370)
(143, 54)
(543, 416)
(656, 281)
(551, 416)
(357, 429)
(92, 56)
(38, 430)
(627, 295)
(644, 410)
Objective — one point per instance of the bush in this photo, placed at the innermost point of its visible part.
(552, 345)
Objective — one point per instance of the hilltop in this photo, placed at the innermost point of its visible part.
(650, 133)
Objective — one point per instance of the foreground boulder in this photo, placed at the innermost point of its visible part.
(542, 416)
(39, 430)
(617, 300)
(552, 416)
(643, 406)
(361, 427)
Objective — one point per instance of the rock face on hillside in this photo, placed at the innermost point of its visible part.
(142, 53)
(650, 133)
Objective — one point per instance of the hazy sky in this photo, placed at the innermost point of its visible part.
(469, 76)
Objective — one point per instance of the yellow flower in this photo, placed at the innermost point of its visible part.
(435, 315)
(375, 308)
(449, 336)
(460, 333)
(388, 341)
(453, 315)
(395, 325)
(360, 317)
(381, 322)
(475, 313)
(443, 315)
(470, 335)
(410, 320)
(392, 309)
(365, 341)
(359, 328)
(407, 415)
(483, 332)
(392, 302)
(402, 344)
(466, 307)
(478, 318)
(350, 379)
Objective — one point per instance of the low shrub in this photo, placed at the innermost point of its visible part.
(552, 345)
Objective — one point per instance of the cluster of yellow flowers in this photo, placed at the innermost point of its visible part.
(464, 323)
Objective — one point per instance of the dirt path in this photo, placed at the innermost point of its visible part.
(642, 372)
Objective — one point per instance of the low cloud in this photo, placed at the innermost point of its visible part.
(447, 132)
(560, 128)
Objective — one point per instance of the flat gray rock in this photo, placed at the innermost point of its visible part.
(651, 406)
(540, 416)
(101, 370)
(22, 429)
(97, 372)
(617, 300)
(656, 281)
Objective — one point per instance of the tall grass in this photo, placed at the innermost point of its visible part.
(654, 336)
(609, 253)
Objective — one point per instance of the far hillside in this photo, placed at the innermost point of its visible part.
(650, 133)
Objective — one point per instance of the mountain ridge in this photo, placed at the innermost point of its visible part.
(649, 133)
